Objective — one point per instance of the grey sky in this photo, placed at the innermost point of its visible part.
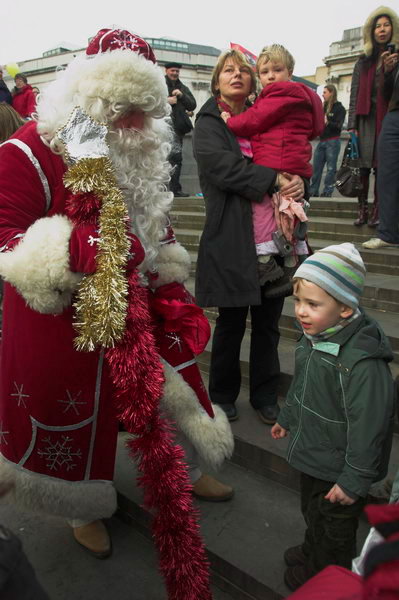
(305, 27)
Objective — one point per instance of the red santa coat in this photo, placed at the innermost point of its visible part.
(280, 124)
(55, 409)
(24, 102)
(58, 425)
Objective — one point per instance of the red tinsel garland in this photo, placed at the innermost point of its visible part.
(137, 374)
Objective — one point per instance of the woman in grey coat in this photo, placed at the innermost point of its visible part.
(367, 105)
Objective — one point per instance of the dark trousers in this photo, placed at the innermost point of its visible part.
(264, 365)
(388, 178)
(330, 537)
(176, 160)
(17, 578)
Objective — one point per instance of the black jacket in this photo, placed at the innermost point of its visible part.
(5, 94)
(185, 102)
(227, 266)
(335, 120)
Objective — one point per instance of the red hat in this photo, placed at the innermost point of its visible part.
(119, 39)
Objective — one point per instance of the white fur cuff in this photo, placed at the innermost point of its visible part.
(212, 438)
(86, 500)
(173, 264)
(38, 267)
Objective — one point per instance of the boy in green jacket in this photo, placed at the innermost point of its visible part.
(339, 409)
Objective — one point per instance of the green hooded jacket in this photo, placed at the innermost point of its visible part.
(340, 407)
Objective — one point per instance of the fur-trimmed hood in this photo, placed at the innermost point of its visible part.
(368, 26)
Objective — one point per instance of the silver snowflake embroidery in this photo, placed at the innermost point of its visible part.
(3, 435)
(72, 402)
(59, 454)
(20, 394)
(92, 240)
(176, 340)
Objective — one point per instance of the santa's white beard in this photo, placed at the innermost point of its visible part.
(142, 171)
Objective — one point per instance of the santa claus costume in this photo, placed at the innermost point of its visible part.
(97, 325)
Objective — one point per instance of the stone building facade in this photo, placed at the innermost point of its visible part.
(197, 64)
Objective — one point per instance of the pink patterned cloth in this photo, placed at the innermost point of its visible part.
(287, 212)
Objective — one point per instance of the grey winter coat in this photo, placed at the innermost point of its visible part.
(227, 266)
(340, 407)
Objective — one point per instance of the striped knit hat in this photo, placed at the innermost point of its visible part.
(339, 270)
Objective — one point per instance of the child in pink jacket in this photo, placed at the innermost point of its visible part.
(280, 125)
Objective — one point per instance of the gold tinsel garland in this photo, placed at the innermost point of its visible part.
(102, 298)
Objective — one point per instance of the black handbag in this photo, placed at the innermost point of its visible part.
(348, 181)
(181, 121)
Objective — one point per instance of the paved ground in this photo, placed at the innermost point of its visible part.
(68, 573)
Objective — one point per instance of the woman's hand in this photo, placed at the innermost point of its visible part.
(389, 61)
(225, 116)
(292, 186)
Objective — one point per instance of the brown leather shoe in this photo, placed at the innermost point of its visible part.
(296, 576)
(211, 490)
(94, 538)
(295, 556)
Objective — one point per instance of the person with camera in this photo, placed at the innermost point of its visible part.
(181, 100)
(227, 274)
(388, 158)
(367, 105)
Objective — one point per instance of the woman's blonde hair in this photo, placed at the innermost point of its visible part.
(10, 121)
(276, 53)
(237, 57)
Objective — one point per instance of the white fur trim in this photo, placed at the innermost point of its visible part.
(38, 267)
(173, 264)
(212, 438)
(367, 28)
(86, 500)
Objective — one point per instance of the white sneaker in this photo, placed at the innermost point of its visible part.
(376, 244)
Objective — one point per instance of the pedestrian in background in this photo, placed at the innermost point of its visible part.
(181, 100)
(340, 436)
(5, 94)
(23, 97)
(388, 158)
(327, 150)
(367, 106)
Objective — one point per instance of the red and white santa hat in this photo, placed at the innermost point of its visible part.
(119, 39)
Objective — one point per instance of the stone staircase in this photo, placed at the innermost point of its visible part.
(246, 538)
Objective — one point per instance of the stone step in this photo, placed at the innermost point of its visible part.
(381, 292)
(245, 538)
(385, 261)
(338, 229)
(320, 227)
(289, 331)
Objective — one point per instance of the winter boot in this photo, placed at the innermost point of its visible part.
(374, 220)
(363, 207)
(363, 214)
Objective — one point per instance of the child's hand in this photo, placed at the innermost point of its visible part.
(336, 494)
(278, 432)
(225, 116)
